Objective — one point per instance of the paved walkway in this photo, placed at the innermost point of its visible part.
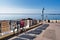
(51, 33)
(31, 34)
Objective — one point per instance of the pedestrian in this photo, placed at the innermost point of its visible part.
(14, 30)
(22, 24)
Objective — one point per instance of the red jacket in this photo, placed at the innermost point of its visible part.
(21, 23)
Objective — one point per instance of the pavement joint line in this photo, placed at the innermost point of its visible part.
(34, 35)
(23, 38)
(18, 37)
(12, 38)
(31, 34)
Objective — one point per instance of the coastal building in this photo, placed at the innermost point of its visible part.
(28, 22)
(4, 27)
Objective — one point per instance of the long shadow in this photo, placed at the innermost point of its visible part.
(43, 27)
(39, 30)
(36, 32)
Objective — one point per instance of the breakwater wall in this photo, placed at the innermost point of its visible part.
(53, 21)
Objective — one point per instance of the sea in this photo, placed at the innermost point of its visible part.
(37, 16)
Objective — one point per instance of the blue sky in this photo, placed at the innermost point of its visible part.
(29, 6)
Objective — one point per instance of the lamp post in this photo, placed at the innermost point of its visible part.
(43, 14)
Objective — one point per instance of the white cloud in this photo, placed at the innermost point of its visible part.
(52, 11)
(22, 10)
(18, 10)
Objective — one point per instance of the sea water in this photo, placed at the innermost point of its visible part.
(34, 16)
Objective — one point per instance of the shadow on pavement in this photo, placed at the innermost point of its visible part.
(36, 32)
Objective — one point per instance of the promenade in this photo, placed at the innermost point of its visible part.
(47, 31)
(51, 33)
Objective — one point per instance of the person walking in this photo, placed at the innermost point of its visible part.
(22, 25)
(14, 30)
